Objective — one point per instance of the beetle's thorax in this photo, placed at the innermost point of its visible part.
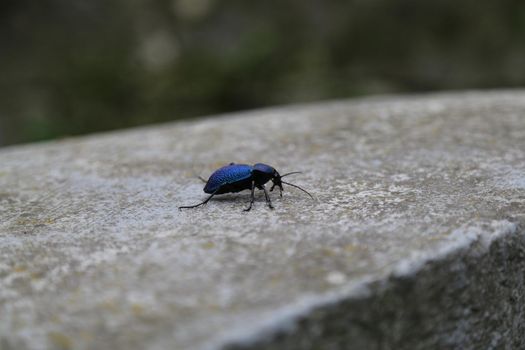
(262, 173)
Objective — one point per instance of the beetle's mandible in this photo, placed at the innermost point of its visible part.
(238, 177)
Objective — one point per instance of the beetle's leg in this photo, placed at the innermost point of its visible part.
(268, 200)
(252, 198)
(202, 179)
(197, 205)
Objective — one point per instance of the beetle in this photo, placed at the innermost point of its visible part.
(234, 178)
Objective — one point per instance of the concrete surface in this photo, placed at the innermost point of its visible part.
(415, 240)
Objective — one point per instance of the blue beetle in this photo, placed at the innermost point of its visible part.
(238, 177)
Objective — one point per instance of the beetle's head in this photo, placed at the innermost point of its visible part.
(276, 179)
(277, 182)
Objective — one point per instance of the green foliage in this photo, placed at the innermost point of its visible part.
(72, 67)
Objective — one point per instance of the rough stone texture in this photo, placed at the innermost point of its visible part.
(415, 239)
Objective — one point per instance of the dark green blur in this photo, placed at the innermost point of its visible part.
(70, 67)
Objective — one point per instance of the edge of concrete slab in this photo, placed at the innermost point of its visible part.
(468, 294)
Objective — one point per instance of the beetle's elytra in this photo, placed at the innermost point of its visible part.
(238, 177)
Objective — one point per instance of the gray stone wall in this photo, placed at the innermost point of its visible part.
(414, 239)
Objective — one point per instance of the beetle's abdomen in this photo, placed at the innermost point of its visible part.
(227, 177)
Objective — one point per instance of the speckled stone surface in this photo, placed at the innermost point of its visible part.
(418, 220)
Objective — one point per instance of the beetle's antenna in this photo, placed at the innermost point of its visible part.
(305, 191)
(293, 172)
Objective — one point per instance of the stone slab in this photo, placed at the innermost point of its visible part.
(419, 211)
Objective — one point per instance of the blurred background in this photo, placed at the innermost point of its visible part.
(70, 67)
